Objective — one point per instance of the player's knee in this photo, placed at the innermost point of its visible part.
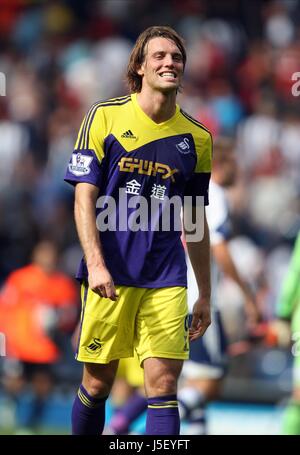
(97, 388)
(98, 379)
(163, 385)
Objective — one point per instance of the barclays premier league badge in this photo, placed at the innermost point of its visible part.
(80, 164)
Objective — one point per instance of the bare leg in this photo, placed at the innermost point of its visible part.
(161, 376)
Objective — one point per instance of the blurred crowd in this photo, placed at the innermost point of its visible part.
(60, 56)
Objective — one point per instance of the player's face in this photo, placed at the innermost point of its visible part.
(162, 68)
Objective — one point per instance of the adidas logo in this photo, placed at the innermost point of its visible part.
(128, 134)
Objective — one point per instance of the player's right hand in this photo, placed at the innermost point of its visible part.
(201, 318)
(101, 282)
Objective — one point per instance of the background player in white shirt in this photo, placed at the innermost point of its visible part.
(204, 372)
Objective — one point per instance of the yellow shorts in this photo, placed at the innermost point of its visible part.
(154, 322)
(130, 370)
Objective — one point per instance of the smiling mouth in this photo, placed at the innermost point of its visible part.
(168, 74)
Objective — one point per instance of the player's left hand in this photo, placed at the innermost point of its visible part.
(201, 318)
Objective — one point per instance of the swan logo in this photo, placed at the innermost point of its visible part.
(94, 346)
(184, 146)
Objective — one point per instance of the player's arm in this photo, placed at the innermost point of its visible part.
(225, 262)
(199, 254)
(100, 280)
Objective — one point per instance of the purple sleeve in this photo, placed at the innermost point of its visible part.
(198, 186)
(83, 166)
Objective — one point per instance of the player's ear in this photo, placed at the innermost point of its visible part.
(141, 70)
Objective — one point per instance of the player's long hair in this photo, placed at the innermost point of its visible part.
(137, 56)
